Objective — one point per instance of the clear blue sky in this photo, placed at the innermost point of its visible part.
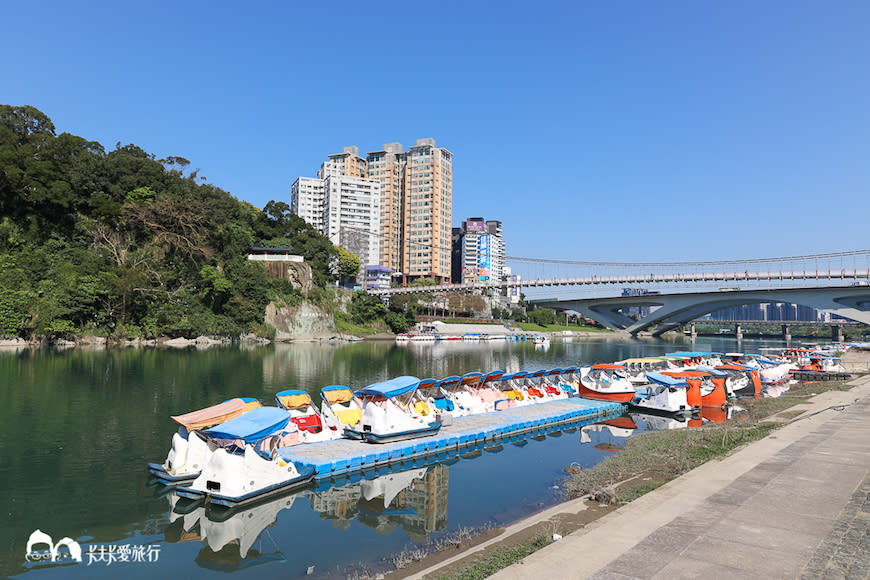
(626, 131)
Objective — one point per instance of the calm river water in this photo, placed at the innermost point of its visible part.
(79, 427)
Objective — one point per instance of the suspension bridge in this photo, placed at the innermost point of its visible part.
(675, 293)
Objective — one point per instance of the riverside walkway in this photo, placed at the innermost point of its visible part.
(793, 505)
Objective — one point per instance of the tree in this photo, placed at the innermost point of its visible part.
(543, 316)
(365, 307)
(348, 263)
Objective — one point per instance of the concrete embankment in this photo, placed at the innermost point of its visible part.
(788, 505)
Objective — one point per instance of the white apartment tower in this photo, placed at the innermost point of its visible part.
(413, 232)
(353, 215)
(345, 209)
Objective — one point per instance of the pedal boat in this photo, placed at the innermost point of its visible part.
(254, 466)
(306, 416)
(189, 451)
(481, 394)
(430, 398)
(340, 408)
(551, 383)
(460, 398)
(605, 382)
(743, 381)
(510, 386)
(568, 380)
(532, 388)
(663, 395)
(388, 413)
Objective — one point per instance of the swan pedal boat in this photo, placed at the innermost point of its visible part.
(190, 451)
(388, 413)
(254, 466)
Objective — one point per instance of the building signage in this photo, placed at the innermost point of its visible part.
(484, 257)
(475, 227)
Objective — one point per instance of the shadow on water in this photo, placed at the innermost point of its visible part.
(80, 425)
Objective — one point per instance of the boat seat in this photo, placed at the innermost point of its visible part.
(534, 392)
(444, 404)
(514, 394)
(422, 408)
(551, 390)
(349, 416)
(310, 423)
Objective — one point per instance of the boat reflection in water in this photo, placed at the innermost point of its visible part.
(233, 539)
(229, 536)
(609, 435)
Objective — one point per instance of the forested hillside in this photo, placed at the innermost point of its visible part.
(122, 244)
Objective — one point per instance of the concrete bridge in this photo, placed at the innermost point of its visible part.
(674, 309)
(677, 293)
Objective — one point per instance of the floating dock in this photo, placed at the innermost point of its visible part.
(342, 457)
(820, 376)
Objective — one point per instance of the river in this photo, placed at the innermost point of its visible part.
(79, 426)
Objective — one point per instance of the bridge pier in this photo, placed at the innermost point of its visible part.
(786, 332)
(836, 333)
(692, 331)
(739, 332)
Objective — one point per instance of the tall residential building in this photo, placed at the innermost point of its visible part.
(428, 210)
(353, 215)
(348, 163)
(345, 209)
(387, 165)
(480, 247)
(308, 199)
(416, 203)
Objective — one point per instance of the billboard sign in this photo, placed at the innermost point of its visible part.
(475, 227)
(484, 257)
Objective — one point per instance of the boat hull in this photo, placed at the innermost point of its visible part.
(306, 475)
(165, 478)
(372, 437)
(616, 397)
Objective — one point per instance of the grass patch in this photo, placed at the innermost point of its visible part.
(499, 559)
(662, 455)
(634, 492)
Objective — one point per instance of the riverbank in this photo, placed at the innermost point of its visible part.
(651, 465)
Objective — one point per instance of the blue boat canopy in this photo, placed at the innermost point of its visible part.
(666, 380)
(334, 388)
(393, 387)
(448, 381)
(692, 354)
(569, 370)
(516, 375)
(252, 426)
(555, 371)
(714, 372)
(539, 373)
(428, 383)
(492, 376)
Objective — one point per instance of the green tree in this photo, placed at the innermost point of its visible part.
(348, 263)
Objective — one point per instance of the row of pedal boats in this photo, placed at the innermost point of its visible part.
(240, 449)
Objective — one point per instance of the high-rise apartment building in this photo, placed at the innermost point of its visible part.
(416, 204)
(345, 209)
(387, 165)
(428, 210)
(480, 248)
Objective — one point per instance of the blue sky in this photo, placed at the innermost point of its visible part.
(624, 131)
